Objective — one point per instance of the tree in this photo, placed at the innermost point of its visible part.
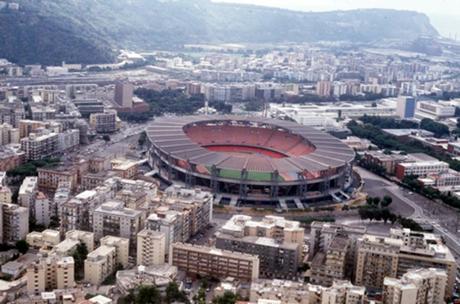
(200, 298)
(387, 200)
(227, 298)
(79, 256)
(147, 295)
(437, 128)
(142, 139)
(106, 138)
(376, 201)
(22, 246)
(173, 294)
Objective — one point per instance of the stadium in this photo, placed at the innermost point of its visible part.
(247, 160)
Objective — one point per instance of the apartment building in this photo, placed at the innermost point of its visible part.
(5, 194)
(50, 178)
(50, 273)
(151, 249)
(103, 261)
(27, 192)
(85, 237)
(377, 258)
(342, 292)
(100, 264)
(15, 223)
(195, 206)
(277, 260)
(68, 140)
(42, 208)
(39, 146)
(394, 256)
(121, 248)
(112, 218)
(417, 286)
(331, 265)
(72, 240)
(284, 292)
(213, 262)
(168, 222)
(105, 122)
(125, 168)
(182, 214)
(46, 238)
(278, 243)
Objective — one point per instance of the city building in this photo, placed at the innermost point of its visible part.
(11, 157)
(5, 194)
(50, 273)
(331, 265)
(405, 107)
(434, 110)
(27, 192)
(422, 168)
(285, 292)
(151, 248)
(15, 223)
(417, 286)
(121, 248)
(379, 257)
(343, 292)
(112, 218)
(323, 88)
(100, 264)
(213, 262)
(106, 122)
(159, 276)
(124, 94)
(103, 261)
(125, 168)
(68, 140)
(50, 178)
(42, 212)
(46, 238)
(278, 243)
(38, 146)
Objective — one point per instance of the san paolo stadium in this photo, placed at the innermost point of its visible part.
(245, 160)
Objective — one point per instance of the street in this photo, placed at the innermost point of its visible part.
(443, 218)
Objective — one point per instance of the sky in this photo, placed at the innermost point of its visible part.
(444, 14)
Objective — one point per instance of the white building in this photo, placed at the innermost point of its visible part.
(434, 110)
(42, 209)
(419, 286)
(69, 140)
(151, 248)
(27, 192)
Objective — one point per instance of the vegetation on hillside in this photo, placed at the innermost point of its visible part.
(86, 31)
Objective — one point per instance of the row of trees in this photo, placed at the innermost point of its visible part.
(30, 168)
(412, 183)
(151, 295)
(427, 124)
(388, 122)
(437, 128)
(171, 101)
(377, 209)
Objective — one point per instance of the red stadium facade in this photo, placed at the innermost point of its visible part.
(250, 159)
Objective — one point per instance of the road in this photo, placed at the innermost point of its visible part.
(124, 135)
(443, 218)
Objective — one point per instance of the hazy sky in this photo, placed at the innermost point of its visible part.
(445, 14)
